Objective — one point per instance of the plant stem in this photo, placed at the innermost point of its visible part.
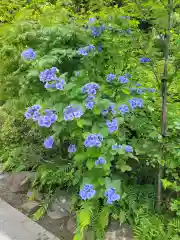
(164, 103)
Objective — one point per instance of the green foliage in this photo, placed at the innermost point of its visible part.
(155, 227)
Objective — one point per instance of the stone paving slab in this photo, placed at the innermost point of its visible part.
(17, 226)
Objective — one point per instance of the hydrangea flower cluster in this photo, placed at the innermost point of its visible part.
(112, 125)
(28, 54)
(90, 88)
(97, 31)
(111, 109)
(144, 60)
(123, 79)
(92, 20)
(48, 142)
(59, 84)
(100, 161)
(111, 195)
(72, 112)
(87, 192)
(99, 47)
(127, 148)
(48, 119)
(85, 50)
(116, 146)
(90, 102)
(123, 108)
(110, 77)
(72, 148)
(50, 79)
(136, 102)
(93, 140)
(141, 90)
(48, 75)
(33, 112)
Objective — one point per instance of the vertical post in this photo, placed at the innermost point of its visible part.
(164, 102)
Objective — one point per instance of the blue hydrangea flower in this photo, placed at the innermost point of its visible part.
(90, 88)
(123, 79)
(48, 142)
(140, 90)
(36, 116)
(123, 108)
(93, 140)
(95, 31)
(133, 90)
(99, 47)
(48, 85)
(48, 119)
(136, 102)
(72, 148)
(110, 77)
(60, 84)
(111, 109)
(87, 192)
(138, 84)
(90, 102)
(82, 51)
(85, 50)
(92, 20)
(48, 75)
(100, 161)
(90, 48)
(111, 195)
(128, 148)
(105, 112)
(116, 146)
(71, 112)
(112, 125)
(28, 54)
(33, 112)
(144, 60)
(151, 90)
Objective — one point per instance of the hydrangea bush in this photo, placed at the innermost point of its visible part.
(95, 107)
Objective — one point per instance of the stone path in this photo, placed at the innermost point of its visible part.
(17, 226)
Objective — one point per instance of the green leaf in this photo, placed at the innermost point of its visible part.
(69, 86)
(125, 168)
(82, 122)
(116, 184)
(104, 131)
(79, 157)
(122, 216)
(90, 164)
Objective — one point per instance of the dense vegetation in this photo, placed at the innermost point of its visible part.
(89, 99)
